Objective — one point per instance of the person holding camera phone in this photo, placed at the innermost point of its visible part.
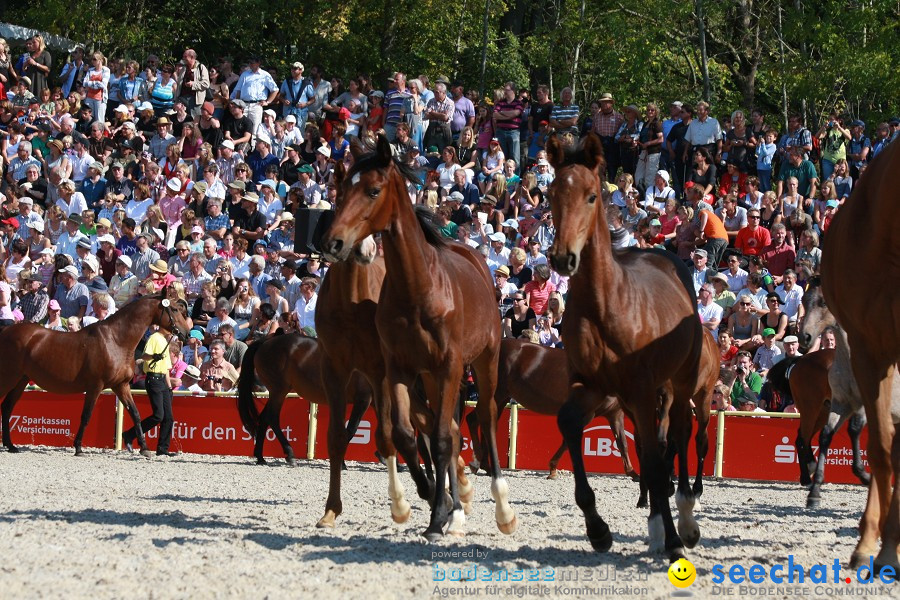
(747, 379)
(217, 374)
(834, 139)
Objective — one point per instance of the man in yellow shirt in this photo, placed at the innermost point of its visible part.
(156, 364)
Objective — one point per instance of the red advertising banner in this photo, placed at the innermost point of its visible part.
(761, 448)
(211, 425)
(45, 419)
(539, 437)
(362, 447)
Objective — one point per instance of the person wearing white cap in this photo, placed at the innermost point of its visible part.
(270, 204)
(659, 193)
(123, 285)
(26, 217)
(172, 203)
(73, 297)
(296, 94)
(499, 252)
(262, 157)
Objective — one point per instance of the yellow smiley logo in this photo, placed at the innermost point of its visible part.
(682, 573)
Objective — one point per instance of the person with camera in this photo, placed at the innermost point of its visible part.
(833, 140)
(746, 378)
(217, 374)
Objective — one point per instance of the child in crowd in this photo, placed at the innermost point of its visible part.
(765, 354)
(765, 152)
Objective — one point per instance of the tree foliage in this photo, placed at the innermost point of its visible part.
(824, 54)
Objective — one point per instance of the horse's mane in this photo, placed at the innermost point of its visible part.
(424, 215)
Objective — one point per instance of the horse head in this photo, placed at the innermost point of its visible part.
(172, 316)
(369, 193)
(366, 251)
(576, 199)
(817, 316)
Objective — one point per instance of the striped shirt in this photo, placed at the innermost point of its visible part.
(562, 113)
(503, 105)
(394, 102)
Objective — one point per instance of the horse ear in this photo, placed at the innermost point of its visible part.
(555, 152)
(356, 147)
(592, 150)
(383, 150)
(339, 173)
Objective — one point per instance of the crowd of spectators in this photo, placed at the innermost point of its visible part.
(121, 179)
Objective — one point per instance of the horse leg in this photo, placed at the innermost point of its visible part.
(485, 367)
(658, 474)
(805, 458)
(461, 491)
(573, 416)
(877, 399)
(702, 445)
(424, 446)
(835, 420)
(90, 400)
(9, 402)
(477, 446)
(554, 461)
(262, 428)
(123, 393)
(400, 508)
(275, 424)
(404, 436)
(685, 499)
(335, 384)
(890, 534)
(617, 425)
(854, 428)
(442, 389)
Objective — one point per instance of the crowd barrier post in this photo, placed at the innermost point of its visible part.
(120, 420)
(311, 433)
(513, 433)
(720, 443)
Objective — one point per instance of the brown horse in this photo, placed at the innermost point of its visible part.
(97, 357)
(537, 378)
(437, 313)
(283, 364)
(860, 288)
(631, 330)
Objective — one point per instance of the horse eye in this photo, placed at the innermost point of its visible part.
(592, 198)
(374, 192)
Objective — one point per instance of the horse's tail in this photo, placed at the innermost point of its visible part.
(246, 403)
(777, 375)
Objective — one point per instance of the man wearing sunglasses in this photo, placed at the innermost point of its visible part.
(751, 239)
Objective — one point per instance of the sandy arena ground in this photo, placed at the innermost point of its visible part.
(113, 525)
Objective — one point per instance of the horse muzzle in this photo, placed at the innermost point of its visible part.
(564, 263)
(335, 250)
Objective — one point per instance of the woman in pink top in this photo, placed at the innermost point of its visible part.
(538, 290)
(172, 203)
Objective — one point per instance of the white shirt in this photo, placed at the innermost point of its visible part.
(306, 311)
(736, 282)
(240, 268)
(501, 258)
(531, 261)
(137, 210)
(702, 133)
(80, 166)
(254, 87)
(792, 300)
(76, 205)
(271, 211)
(759, 298)
(653, 195)
(710, 312)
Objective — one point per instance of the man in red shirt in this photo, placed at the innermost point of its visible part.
(778, 255)
(752, 239)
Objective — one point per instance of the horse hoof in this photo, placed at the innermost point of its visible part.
(676, 554)
(290, 460)
(261, 461)
(689, 535)
(553, 474)
(79, 452)
(433, 536)
(813, 503)
(602, 543)
(147, 453)
(634, 476)
(402, 518)
(327, 521)
(12, 449)
(509, 528)
(474, 466)
(859, 559)
(344, 466)
(641, 503)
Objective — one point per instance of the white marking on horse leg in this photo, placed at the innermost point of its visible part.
(457, 525)
(657, 533)
(503, 512)
(400, 508)
(687, 525)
